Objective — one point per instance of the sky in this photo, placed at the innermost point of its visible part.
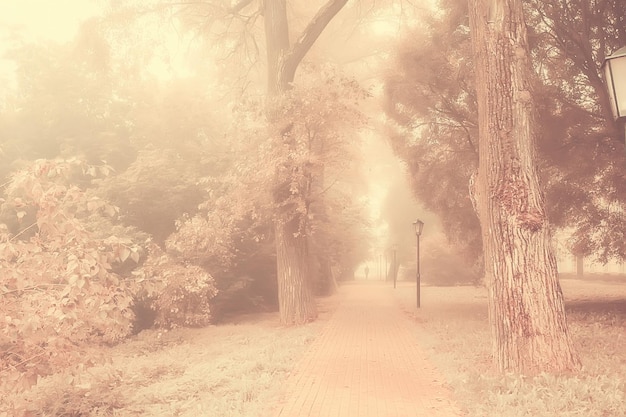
(24, 21)
(56, 20)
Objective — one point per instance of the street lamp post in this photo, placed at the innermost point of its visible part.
(419, 226)
(386, 271)
(614, 69)
(395, 265)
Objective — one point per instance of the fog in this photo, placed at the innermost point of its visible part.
(172, 112)
(209, 208)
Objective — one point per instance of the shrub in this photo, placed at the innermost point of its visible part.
(57, 287)
(67, 281)
(179, 294)
(441, 265)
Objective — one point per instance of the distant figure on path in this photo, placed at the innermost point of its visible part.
(367, 271)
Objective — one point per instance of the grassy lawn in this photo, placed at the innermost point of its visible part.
(234, 369)
(237, 369)
(453, 327)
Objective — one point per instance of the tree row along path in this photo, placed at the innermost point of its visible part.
(366, 363)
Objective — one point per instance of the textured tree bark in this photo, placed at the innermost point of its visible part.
(277, 41)
(526, 310)
(295, 299)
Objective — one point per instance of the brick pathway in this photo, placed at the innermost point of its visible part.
(366, 363)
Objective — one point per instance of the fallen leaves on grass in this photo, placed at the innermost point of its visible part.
(230, 370)
(454, 327)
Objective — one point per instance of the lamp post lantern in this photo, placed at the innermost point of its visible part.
(614, 70)
(419, 226)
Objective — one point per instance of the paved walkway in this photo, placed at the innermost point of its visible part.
(366, 363)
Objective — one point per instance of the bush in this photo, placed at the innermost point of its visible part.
(179, 294)
(57, 287)
(64, 285)
(441, 265)
(72, 393)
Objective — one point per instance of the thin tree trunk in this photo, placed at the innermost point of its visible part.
(328, 285)
(333, 280)
(526, 310)
(318, 209)
(580, 266)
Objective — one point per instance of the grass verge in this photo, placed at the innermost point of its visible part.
(228, 370)
(454, 330)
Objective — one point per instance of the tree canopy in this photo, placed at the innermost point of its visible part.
(431, 101)
(149, 194)
(174, 163)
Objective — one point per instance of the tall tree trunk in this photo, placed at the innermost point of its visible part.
(296, 303)
(526, 311)
(277, 40)
(295, 298)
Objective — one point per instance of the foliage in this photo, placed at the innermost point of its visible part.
(311, 146)
(323, 111)
(441, 265)
(159, 136)
(180, 294)
(248, 284)
(322, 116)
(157, 188)
(70, 393)
(63, 284)
(68, 105)
(314, 160)
(454, 330)
(344, 235)
(58, 288)
(430, 99)
(99, 98)
(217, 370)
(580, 144)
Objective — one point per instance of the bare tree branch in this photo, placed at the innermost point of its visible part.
(308, 37)
(240, 6)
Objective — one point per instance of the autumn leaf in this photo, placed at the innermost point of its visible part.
(110, 210)
(124, 253)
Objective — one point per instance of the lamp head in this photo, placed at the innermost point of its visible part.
(419, 226)
(614, 70)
